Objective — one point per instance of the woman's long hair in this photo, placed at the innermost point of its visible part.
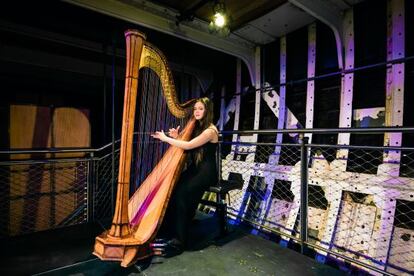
(202, 125)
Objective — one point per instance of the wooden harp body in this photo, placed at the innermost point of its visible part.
(137, 219)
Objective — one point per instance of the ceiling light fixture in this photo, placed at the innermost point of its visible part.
(219, 17)
(219, 20)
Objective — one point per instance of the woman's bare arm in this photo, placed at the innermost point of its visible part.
(206, 136)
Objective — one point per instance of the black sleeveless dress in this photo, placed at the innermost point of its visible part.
(192, 184)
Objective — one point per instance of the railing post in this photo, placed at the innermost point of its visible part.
(90, 197)
(303, 192)
(219, 173)
(113, 182)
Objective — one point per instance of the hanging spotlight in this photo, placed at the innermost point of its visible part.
(219, 20)
(219, 17)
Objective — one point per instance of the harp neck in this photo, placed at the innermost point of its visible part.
(155, 60)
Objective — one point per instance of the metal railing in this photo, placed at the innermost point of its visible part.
(351, 203)
(51, 188)
(357, 210)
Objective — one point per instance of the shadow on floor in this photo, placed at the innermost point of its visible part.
(42, 251)
(68, 251)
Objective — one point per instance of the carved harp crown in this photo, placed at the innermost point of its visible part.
(137, 219)
(154, 59)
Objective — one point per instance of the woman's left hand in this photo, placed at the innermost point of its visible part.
(160, 135)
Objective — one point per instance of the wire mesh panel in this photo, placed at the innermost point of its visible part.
(236, 164)
(104, 191)
(401, 254)
(280, 206)
(39, 195)
(407, 164)
(267, 198)
(360, 207)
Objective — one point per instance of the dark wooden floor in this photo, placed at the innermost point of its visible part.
(67, 251)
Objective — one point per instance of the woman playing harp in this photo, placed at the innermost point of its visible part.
(200, 173)
(137, 219)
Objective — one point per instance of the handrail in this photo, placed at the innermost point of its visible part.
(360, 130)
(59, 150)
(373, 130)
(336, 146)
(56, 150)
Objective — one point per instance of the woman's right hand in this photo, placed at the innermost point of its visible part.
(173, 132)
(160, 135)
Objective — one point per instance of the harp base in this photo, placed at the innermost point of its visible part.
(126, 250)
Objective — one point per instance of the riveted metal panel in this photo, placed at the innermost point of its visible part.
(310, 90)
(394, 103)
(282, 98)
(345, 113)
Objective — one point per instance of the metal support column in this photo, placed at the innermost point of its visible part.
(303, 192)
(345, 114)
(310, 90)
(282, 100)
(394, 103)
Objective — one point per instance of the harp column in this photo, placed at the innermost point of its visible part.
(117, 244)
(120, 222)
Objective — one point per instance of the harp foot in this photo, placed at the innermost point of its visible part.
(126, 250)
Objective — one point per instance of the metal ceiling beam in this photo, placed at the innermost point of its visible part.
(163, 19)
(189, 14)
(330, 13)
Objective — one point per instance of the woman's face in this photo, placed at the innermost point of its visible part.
(199, 110)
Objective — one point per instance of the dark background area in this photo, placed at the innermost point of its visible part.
(57, 54)
(63, 55)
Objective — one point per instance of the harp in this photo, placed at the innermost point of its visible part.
(137, 219)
